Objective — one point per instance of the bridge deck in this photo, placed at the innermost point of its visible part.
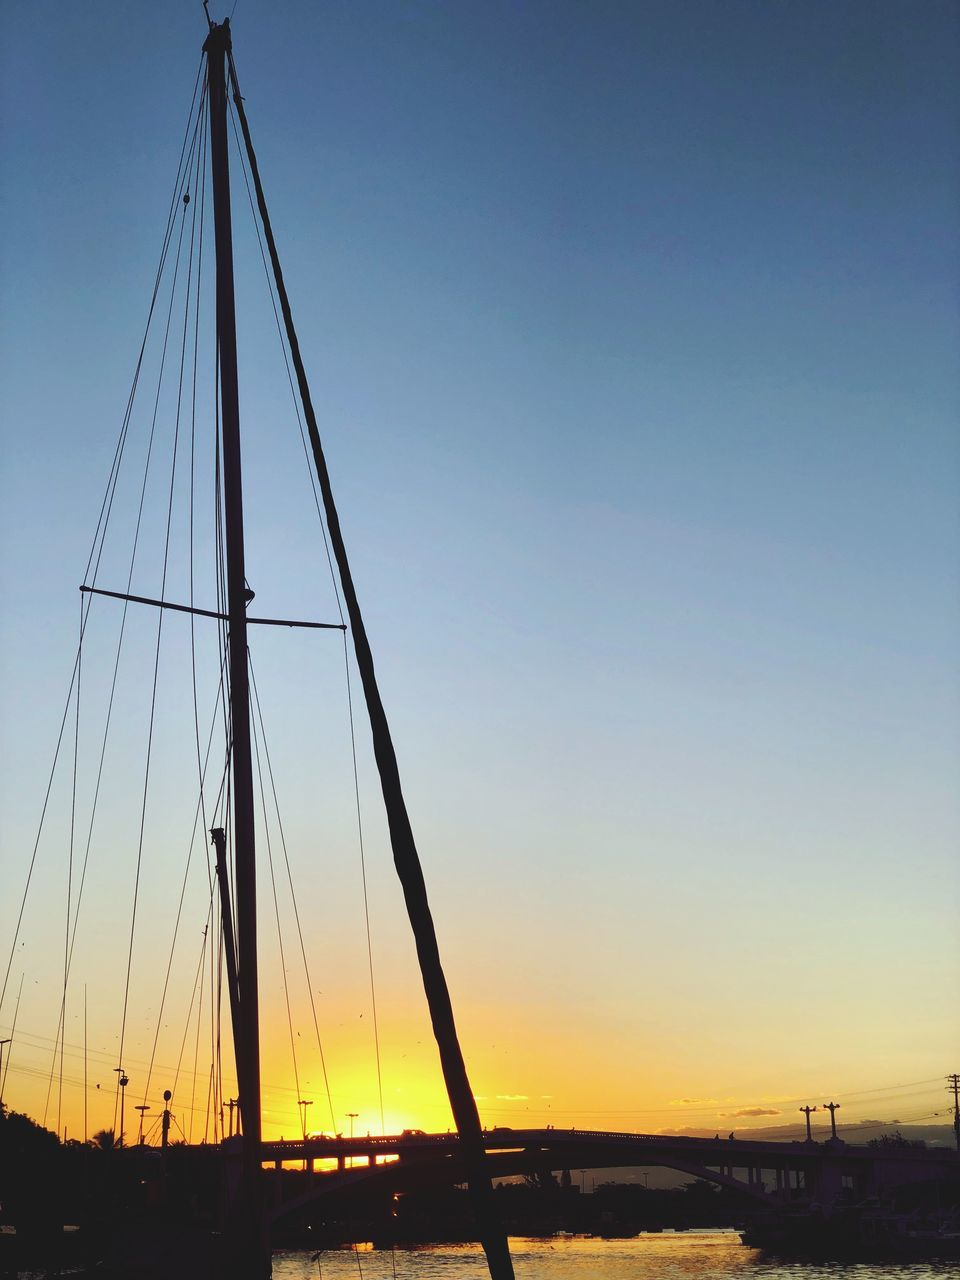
(707, 1151)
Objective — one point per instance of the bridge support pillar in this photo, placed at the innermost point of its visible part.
(341, 1163)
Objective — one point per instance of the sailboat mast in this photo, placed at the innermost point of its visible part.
(248, 1040)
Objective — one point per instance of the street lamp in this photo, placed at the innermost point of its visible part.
(351, 1116)
(124, 1081)
(304, 1103)
(141, 1107)
(2, 1043)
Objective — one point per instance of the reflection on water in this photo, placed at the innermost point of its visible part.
(708, 1255)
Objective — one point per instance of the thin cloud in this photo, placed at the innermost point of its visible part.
(512, 1097)
(750, 1111)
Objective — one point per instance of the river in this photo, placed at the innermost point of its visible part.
(706, 1255)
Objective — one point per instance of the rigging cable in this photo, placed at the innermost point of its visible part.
(100, 532)
(203, 762)
(196, 1043)
(197, 986)
(363, 873)
(183, 890)
(296, 912)
(66, 935)
(336, 590)
(13, 1032)
(276, 909)
(182, 174)
(107, 503)
(193, 436)
(406, 856)
(156, 661)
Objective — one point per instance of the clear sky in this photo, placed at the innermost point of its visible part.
(633, 334)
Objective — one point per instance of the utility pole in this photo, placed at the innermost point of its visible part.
(165, 1122)
(808, 1111)
(84, 1064)
(231, 1103)
(833, 1108)
(953, 1086)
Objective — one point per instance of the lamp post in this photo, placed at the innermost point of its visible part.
(124, 1081)
(351, 1116)
(303, 1103)
(141, 1107)
(2, 1043)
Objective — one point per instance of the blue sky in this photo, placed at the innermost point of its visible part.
(633, 333)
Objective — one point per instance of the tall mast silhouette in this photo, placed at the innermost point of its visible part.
(252, 1259)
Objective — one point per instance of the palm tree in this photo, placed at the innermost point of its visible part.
(104, 1139)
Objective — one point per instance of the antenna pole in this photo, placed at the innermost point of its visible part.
(253, 1261)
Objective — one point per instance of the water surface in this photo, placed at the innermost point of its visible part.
(706, 1255)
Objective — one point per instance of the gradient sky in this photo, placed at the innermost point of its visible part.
(633, 334)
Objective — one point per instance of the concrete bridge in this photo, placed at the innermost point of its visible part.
(769, 1173)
